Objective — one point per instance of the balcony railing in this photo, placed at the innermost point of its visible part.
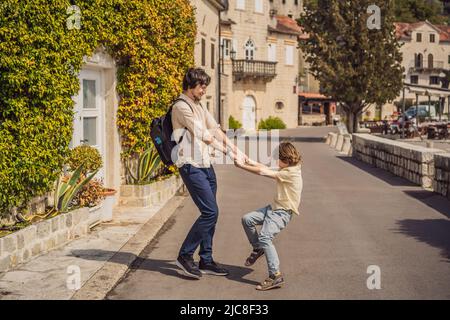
(265, 70)
(426, 66)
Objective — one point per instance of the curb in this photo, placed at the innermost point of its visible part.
(105, 279)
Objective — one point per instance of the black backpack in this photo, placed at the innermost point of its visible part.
(161, 131)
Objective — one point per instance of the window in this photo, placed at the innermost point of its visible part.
(432, 37)
(434, 80)
(240, 4)
(259, 6)
(290, 55)
(418, 60)
(203, 52)
(250, 50)
(272, 52)
(213, 55)
(296, 2)
(448, 59)
(226, 47)
(414, 79)
(430, 61)
(419, 37)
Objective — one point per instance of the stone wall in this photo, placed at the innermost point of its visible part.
(441, 182)
(414, 163)
(39, 238)
(150, 194)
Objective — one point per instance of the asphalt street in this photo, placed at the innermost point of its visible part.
(354, 219)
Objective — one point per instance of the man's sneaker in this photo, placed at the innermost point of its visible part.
(212, 268)
(274, 281)
(188, 266)
(256, 253)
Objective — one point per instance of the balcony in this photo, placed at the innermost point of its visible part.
(254, 69)
(426, 66)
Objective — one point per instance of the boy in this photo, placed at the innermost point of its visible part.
(276, 216)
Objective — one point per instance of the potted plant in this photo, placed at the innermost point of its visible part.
(108, 203)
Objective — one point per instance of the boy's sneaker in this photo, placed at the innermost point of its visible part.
(188, 266)
(212, 268)
(255, 255)
(274, 281)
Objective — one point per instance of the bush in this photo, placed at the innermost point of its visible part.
(152, 42)
(87, 155)
(233, 123)
(271, 123)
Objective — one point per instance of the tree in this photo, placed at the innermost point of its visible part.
(419, 10)
(355, 65)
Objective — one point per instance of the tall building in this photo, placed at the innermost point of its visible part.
(259, 62)
(207, 47)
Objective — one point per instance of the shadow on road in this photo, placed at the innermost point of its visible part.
(166, 267)
(381, 174)
(434, 232)
(431, 199)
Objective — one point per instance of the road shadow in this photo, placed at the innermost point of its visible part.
(165, 267)
(434, 232)
(432, 200)
(379, 173)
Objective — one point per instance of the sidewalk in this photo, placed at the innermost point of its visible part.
(46, 277)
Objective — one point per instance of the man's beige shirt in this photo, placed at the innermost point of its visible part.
(200, 125)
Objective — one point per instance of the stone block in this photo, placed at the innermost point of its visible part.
(43, 229)
(36, 249)
(10, 243)
(68, 219)
(5, 263)
(55, 224)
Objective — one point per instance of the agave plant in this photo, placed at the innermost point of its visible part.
(66, 191)
(147, 164)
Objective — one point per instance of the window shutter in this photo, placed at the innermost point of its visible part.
(259, 7)
(240, 4)
(290, 55)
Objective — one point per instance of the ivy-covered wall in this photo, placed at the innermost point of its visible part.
(152, 42)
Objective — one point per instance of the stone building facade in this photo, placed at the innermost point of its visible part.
(207, 48)
(259, 63)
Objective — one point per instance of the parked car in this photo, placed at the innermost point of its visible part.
(425, 111)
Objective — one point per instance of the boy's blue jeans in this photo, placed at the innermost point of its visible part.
(272, 223)
(202, 186)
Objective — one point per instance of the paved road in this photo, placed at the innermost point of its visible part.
(353, 216)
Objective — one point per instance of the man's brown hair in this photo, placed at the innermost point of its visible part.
(289, 154)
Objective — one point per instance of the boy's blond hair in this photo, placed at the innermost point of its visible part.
(289, 154)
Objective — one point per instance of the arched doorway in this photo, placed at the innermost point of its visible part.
(249, 113)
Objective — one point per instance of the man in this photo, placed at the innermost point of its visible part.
(199, 134)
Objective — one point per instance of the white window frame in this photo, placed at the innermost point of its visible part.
(272, 52)
(240, 4)
(259, 6)
(227, 48)
(289, 56)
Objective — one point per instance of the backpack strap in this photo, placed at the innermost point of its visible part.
(171, 107)
(181, 99)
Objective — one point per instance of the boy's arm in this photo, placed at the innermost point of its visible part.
(257, 168)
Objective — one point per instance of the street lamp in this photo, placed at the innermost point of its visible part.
(233, 54)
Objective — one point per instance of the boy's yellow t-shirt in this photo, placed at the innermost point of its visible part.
(289, 189)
